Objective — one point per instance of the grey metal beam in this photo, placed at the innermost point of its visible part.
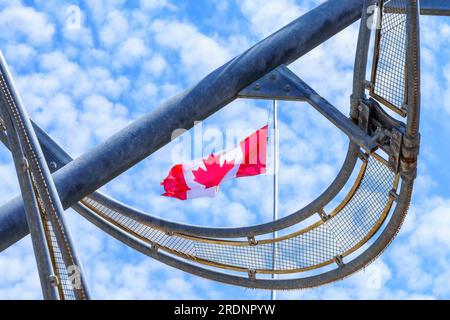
(283, 84)
(435, 7)
(32, 213)
(143, 137)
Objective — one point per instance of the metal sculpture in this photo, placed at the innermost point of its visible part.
(383, 149)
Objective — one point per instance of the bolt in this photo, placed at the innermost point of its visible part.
(54, 282)
(154, 247)
(53, 165)
(287, 88)
(272, 77)
(257, 86)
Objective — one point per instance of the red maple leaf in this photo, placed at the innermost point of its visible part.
(214, 172)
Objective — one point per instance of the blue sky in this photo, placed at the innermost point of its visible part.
(83, 84)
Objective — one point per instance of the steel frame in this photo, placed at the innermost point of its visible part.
(250, 75)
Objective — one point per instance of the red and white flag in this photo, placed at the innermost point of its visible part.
(202, 178)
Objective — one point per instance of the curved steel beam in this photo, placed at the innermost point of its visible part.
(369, 255)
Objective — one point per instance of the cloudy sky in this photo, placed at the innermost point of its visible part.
(84, 80)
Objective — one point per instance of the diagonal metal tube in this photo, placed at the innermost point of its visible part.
(31, 155)
(95, 168)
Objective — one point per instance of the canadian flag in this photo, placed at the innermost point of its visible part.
(202, 178)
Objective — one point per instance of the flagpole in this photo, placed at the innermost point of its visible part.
(275, 185)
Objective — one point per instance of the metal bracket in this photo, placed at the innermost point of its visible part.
(395, 150)
(339, 260)
(280, 84)
(393, 194)
(363, 156)
(154, 247)
(283, 84)
(252, 241)
(323, 215)
(252, 274)
(368, 85)
(54, 281)
(364, 117)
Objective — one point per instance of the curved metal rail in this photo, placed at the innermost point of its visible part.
(331, 238)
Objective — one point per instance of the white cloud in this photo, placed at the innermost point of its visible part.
(103, 116)
(156, 65)
(267, 17)
(25, 23)
(130, 52)
(156, 4)
(199, 54)
(115, 29)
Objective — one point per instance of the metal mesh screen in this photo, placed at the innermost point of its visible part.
(389, 71)
(316, 246)
(140, 230)
(65, 284)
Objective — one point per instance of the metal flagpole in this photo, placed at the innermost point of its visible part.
(275, 185)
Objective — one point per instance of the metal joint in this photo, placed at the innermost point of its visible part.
(363, 156)
(54, 280)
(252, 274)
(393, 194)
(368, 85)
(154, 247)
(364, 113)
(323, 215)
(252, 241)
(339, 260)
(408, 158)
(395, 149)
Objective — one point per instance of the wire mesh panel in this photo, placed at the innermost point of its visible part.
(322, 243)
(350, 226)
(389, 76)
(65, 285)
